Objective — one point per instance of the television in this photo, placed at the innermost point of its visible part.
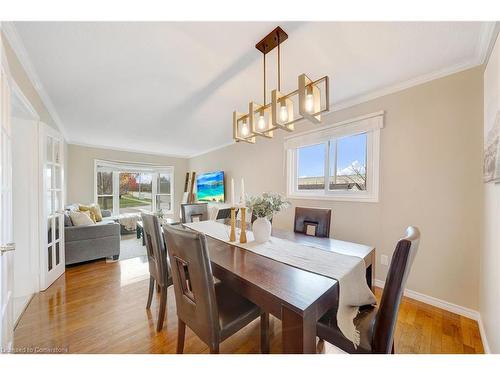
(210, 187)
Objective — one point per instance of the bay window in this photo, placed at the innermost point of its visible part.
(133, 188)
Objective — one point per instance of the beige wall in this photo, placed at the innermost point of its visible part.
(19, 75)
(490, 259)
(431, 151)
(80, 171)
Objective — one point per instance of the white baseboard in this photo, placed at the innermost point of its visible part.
(484, 339)
(448, 306)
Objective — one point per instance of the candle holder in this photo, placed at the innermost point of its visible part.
(232, 236)
(243, 233)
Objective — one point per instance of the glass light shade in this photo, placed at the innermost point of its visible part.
(244, 129)
(261, 124)
(309, 103)
(283, 113)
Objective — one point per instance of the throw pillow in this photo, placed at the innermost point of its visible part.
(96, 210)
(67, 219)
(80, 218)
(84, 208)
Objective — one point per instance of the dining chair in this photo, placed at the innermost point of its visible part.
(376, 325)
(211, 310)
(313, 221)
(159, 267)
(194, 212)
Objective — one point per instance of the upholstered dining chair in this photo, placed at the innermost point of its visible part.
(313, 221)
(377, 325)
(213, 311)
(194, 212)
(159, 268)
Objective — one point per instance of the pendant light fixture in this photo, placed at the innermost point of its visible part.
(262, 119)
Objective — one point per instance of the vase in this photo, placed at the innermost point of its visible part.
(261, 230)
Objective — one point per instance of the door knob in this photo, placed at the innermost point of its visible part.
(11, 246)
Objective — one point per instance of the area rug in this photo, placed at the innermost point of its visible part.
(131, 247)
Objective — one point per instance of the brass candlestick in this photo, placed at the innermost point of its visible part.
(243, 234)
(232, 236)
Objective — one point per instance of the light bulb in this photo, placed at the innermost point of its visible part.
(244, 128)
(309, 103)
(261, 124)
(283, 113)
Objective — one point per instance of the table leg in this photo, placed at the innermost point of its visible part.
(298, 332)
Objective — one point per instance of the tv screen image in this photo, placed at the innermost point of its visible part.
(210, 187)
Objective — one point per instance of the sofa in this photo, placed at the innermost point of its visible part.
(90, 242)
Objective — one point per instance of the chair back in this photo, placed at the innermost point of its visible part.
(155, 246)
(387, 315)
(194, 212)
(193, 282)
(313, 221)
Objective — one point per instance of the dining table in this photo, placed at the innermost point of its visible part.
(297, 297)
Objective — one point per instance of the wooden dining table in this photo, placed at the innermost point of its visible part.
(297, 297)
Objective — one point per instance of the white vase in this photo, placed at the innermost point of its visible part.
(261, 230)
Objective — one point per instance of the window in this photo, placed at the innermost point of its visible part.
(105, 189)
(163, 196)
(337, 162)
(133, 188)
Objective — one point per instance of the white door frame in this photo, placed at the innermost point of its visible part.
(30, 227)
(7, 247)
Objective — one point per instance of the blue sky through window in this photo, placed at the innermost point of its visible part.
(350, 149)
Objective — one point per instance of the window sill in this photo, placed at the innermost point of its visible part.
(339, 198)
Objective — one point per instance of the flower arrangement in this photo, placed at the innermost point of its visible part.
(265, 205)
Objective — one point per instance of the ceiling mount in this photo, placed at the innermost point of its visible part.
(272, 40)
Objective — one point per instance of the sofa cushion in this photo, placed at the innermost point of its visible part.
(79, 218)
(88, 208)
(96, 210)
(99, 230)
(67, 219)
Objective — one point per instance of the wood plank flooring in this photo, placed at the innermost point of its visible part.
(99, 307)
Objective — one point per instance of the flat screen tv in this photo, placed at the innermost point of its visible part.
(210, 187)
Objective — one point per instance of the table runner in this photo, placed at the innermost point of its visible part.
(348, 270)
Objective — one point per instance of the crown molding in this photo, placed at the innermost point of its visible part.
(17, 45)
(128, 149)
(211, 149)
(483, 45)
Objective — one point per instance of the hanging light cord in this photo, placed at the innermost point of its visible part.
(279, 63)
(264, 103)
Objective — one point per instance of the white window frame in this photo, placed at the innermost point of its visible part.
(370, 124)
(118, 166)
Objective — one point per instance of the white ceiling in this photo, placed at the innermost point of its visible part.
(171, 88)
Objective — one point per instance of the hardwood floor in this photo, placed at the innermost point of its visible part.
(99, 307)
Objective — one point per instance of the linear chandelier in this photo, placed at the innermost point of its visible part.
(262, 119)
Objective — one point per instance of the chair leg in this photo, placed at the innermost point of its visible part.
(215, 349)
(181, 334)
(264, 333)
(163, 305)
(392, 351)
(151, 290)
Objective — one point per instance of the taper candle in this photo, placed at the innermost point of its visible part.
(232, 192)
(243, 199)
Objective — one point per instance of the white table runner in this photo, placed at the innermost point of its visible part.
(348, 270)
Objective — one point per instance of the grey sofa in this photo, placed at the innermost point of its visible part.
(90, 242)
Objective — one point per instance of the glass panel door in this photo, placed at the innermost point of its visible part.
(51, 148)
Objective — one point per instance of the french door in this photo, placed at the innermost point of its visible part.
(52, 205)
(7, 246)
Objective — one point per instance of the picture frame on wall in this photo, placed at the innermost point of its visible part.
(491, 168)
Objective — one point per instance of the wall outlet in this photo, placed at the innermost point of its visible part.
(384, 260)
